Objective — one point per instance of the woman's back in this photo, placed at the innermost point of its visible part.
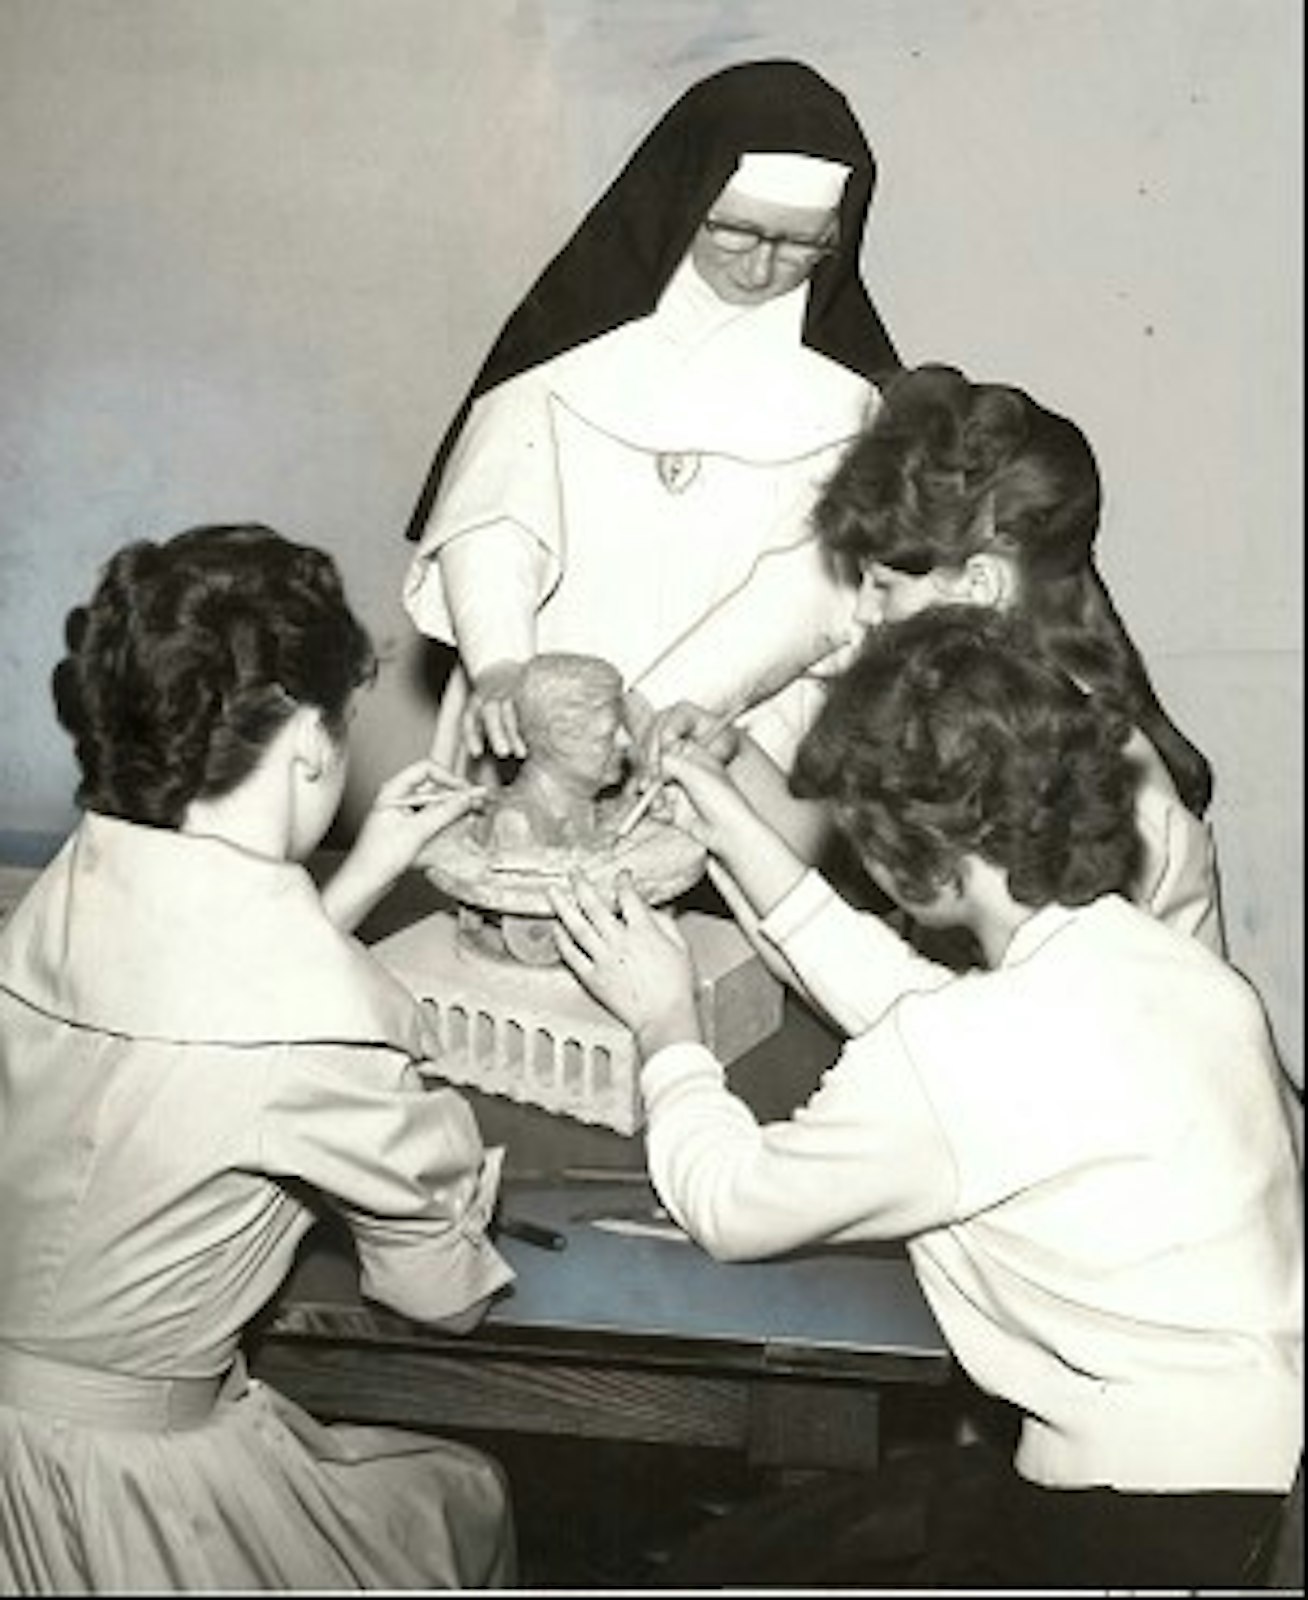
(193, 1059)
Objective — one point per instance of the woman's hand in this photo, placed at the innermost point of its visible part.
(713, 809)
(633, 960)
(678, 727)
(682, 726)
(708, 806)
(490, 719)
(411, 808)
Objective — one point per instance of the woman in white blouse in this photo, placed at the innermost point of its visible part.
(195, 1058)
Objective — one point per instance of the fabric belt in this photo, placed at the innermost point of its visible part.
(95, 1398)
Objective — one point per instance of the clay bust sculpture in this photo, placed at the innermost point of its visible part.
(561, 813)
(570, 711)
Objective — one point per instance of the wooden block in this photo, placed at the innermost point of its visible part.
(740, 1002)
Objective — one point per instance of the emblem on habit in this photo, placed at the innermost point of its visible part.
(677, 469)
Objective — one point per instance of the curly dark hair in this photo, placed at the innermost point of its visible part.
(951, 735)
(191, 655)
(949, 468)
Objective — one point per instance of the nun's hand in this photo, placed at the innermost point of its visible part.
(490, 719)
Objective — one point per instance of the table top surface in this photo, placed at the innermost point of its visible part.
(852, 1311)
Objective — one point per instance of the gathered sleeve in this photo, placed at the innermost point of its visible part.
(404, 1165)
(492, 579)
(499, 508)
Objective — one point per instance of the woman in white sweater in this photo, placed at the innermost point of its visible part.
(1085, 1145)
(962, 492)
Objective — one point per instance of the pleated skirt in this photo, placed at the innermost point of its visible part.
(257, 1496)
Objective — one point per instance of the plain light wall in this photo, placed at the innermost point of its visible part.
(253, 251)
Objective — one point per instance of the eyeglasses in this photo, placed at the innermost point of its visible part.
(739, 238)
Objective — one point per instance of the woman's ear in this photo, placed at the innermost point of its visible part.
(989, 580)
(313, 748)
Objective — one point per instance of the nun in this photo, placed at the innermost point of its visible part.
(632, 472)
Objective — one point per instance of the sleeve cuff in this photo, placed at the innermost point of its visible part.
(677, 1064)
(429, 1273)
(809, 898)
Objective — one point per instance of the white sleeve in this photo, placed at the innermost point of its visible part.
(404, 1165)
(864, 1159)
(1177, 882)
(500, 489)
(851, 962)
(791, 613)
(492, 579)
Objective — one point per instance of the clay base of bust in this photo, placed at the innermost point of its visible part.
(532, 1033)
(661, 860)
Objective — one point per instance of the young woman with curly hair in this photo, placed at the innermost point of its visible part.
(1085, 1145)
(194, 1059)
(975, 494)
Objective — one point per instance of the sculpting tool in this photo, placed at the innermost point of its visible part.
(640, 1228)
(646, 1211)
(532, 1233)
(719, 725)
(636, 812)
(603, 1175)
(432, 789)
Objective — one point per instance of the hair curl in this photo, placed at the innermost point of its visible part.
(191, 655)
(951, 736)
(949, 468)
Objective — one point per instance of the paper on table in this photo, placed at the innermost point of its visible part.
(638, 1228)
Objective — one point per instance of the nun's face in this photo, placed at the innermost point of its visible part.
(749, 250)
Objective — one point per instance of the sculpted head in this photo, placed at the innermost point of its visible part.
(570, 712)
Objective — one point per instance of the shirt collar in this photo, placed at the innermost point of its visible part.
(1037, 930)
(153, 933)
